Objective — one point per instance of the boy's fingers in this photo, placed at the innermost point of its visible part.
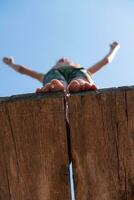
(115, 44)
(8, 60)
(5, 59)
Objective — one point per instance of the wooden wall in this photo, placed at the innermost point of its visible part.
(102, 140)
(36, 144)
(33, 149)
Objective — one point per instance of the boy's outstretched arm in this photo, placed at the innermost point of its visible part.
(114, 47)
(22, 69)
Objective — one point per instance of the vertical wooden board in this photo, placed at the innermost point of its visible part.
(34, 140)
(129, 153)
(4, 183)
(98, 124)
(124, 114)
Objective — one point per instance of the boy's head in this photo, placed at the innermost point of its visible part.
(67, 61)
(64, 61)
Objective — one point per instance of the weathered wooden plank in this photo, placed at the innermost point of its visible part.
(102, 140)
(33, 149)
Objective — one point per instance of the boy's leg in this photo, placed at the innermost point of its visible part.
(80, 81)
(53, 82)
(79, 84)
(55, 85)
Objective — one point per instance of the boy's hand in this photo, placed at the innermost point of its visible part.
(8, 60)
(114, 45)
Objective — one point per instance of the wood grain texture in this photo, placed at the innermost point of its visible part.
(102, 141)
(33, 149)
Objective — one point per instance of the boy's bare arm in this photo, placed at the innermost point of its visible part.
(114, 47)
(22, 69)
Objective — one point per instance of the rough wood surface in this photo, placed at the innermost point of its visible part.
(102, 141)
(33, 149)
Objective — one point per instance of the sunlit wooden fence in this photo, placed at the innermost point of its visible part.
(37, 144)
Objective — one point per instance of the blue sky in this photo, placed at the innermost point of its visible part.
(37, 33)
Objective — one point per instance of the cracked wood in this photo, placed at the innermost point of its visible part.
(102, 140)
(33, 150)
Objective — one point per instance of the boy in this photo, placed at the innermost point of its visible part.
(65, 75)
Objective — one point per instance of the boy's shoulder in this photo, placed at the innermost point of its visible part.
(61, 65)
